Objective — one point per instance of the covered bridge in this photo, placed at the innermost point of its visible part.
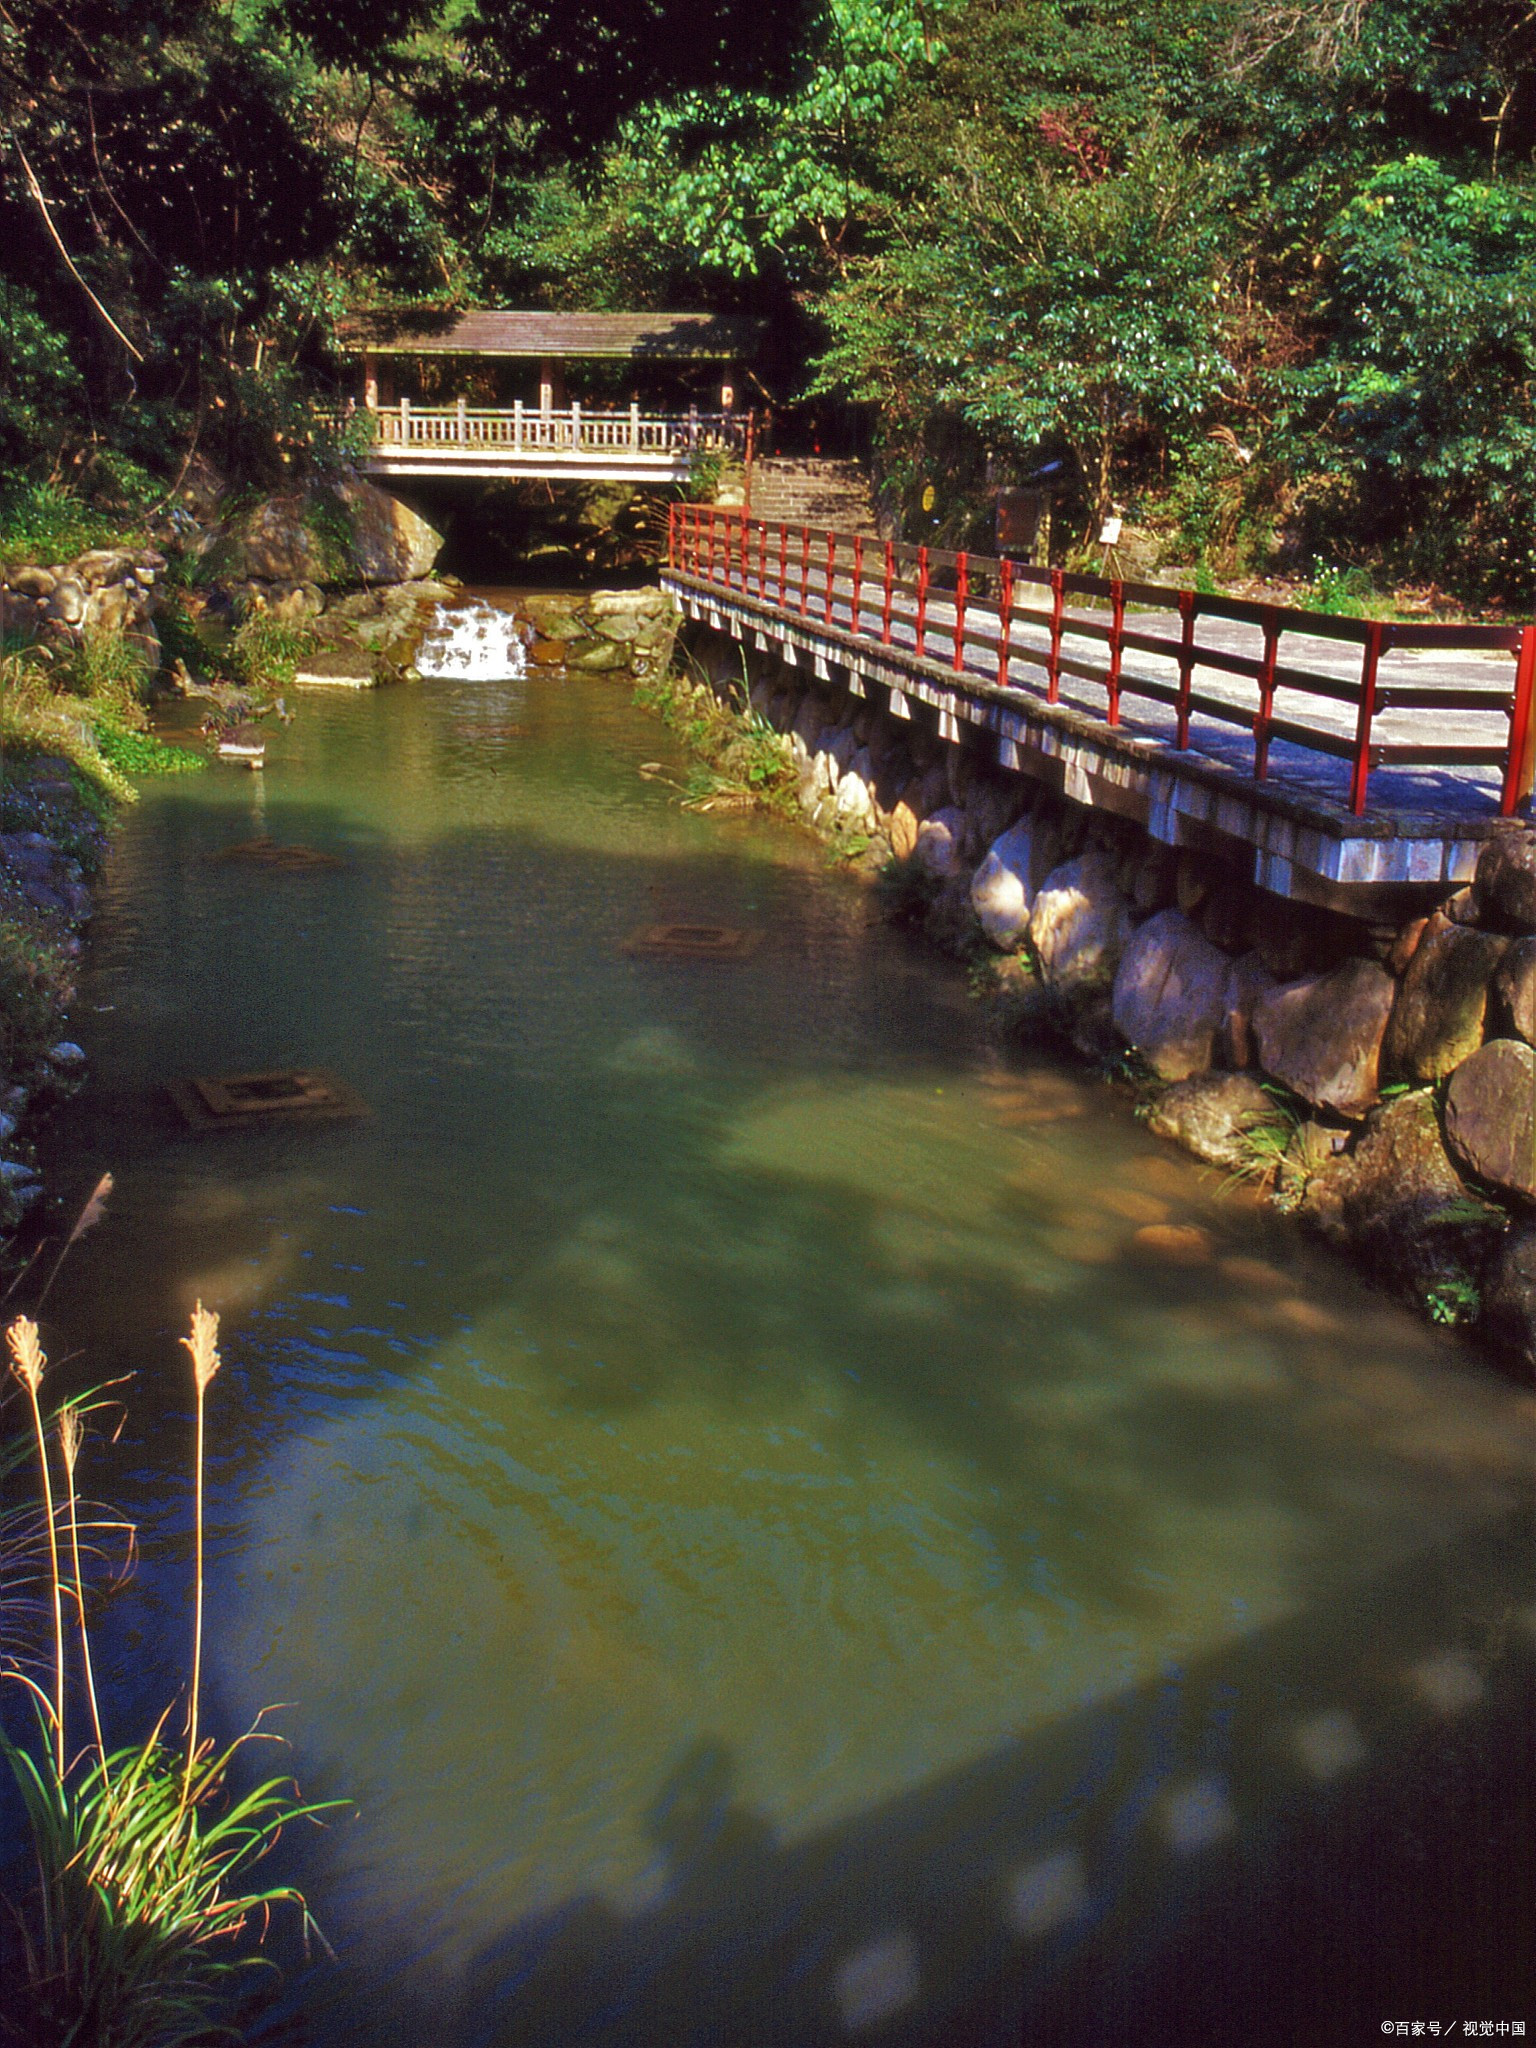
(488, 394)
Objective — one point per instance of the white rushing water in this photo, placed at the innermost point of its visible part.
(473, 642)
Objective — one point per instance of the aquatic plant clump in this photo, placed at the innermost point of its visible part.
(142, 1854)
(747, 761)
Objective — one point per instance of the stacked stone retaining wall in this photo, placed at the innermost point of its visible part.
(1377, 1074)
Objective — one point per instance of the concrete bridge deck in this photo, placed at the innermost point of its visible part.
(1372, 757)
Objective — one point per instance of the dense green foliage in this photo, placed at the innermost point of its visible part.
(1261, 275)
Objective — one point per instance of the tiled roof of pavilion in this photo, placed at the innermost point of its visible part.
(680, 337)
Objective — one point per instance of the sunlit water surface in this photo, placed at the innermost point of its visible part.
(768, 1552)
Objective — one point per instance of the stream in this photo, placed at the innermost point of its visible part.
(733, 1478)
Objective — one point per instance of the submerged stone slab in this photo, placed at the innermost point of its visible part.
(239, 1101)
(691, 942)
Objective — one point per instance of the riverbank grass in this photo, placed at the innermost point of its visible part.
(143, 1854)
(743, 761)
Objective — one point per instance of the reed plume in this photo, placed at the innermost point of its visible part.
(89, 1217)
(142, 1853)
(202, 1345)
(71, 1431)
(28, 1360)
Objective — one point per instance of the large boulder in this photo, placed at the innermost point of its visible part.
(902, 826)
(841, 746)
(1002, 888)
(67, 604)
(389, 542)
(1080, 925)
(648, 601)
(1489, 1121)
(1247, 979)
(1442, 1002)
(1214, 1116)
(1322, 1036)
(938, 842)
(854, 807)
(1509, 1299)
(1170, 995)
(809, 720)
(277, 542)
(1514, 991)
(991, 806)
(1504, 886)
(1397, 1198)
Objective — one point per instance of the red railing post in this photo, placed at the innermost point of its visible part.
(831, 569)
(1189, 606)
(762, 560)
(1004, 621)
(805, 571)
(1266, 711)
(885, 599)
(1053, 660)
(1116, 650)
(672, 512)
(858, 581)
(746, 560)
(783, 564)
(1520, 769)
(1360, 777)
(962, 593)
(922, 604)
(710, 556)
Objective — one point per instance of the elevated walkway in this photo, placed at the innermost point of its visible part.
(1338, 758)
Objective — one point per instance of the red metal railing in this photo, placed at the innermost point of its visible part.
(1003, 617)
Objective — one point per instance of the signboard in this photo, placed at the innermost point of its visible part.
(1024, 524)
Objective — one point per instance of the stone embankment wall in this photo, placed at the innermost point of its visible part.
(50, 849)
(600, 632)
(108, 590)
(1378, 1076)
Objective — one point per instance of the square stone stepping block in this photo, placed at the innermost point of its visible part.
(691, 942)
(237, 1101)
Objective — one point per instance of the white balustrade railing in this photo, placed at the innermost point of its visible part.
(529, 430)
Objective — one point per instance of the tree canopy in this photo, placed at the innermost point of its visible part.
(1260, 274)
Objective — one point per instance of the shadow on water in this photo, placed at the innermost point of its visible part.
(772, 1554)
(1253, 1848)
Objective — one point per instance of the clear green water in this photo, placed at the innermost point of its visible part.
(768, 1552)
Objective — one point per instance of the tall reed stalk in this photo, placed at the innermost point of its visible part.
(28, 1360)
(71, 1430)
(141, 1853)
(203, 1347)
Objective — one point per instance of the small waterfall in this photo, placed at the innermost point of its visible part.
(473, 642)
